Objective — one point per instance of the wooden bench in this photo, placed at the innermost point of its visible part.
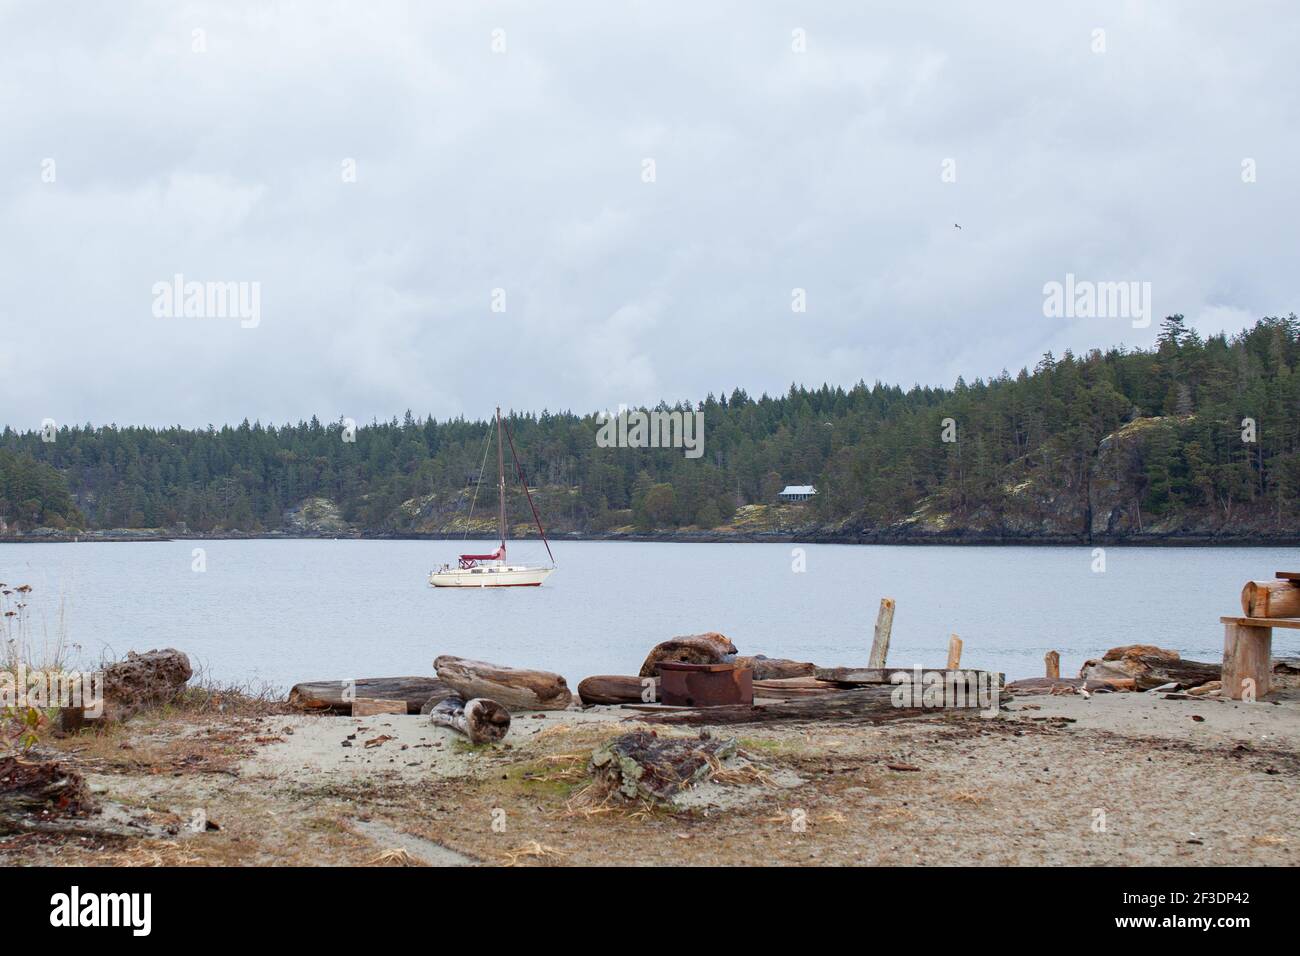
(1248, 640)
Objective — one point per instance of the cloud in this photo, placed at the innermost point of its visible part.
(523, 170)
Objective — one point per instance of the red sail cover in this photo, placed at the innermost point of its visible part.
(466, 560)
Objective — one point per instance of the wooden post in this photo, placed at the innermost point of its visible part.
(954, 652)
(1053, 661)
(1247, 652)
(884, 624)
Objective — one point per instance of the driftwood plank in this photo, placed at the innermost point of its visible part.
(873, 704)
(884, 675)
(337, 695)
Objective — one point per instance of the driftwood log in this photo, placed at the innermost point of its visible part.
(1068, 685)
(483, 721)
(337, 696)
(707, 648)
(513, 687)
(144, 680)
(1149, 666)
(869, 704)
(618, 689)
(775, 668)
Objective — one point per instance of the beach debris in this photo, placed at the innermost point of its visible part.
(377, 741)
(34, 791)
(482, 720)
(514, 688)
(775, 668)
(374, 706)
(618, 689)
(707, 648)
(1069, 685)
(337, 696)
(641, 765)
(1210, 687)
(880, 637)
(860, 676)
(704, 685)
(1149, 667)
(530, 849)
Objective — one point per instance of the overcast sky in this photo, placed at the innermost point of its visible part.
(133, 148)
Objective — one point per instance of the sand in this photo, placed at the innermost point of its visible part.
(1115, 779)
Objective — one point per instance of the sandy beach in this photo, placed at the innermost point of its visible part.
(1114, 779)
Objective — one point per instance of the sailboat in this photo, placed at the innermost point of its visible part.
(493, 570)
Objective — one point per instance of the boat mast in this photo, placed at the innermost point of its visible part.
(501, 484)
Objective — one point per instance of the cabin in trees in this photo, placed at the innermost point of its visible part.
(792, 493)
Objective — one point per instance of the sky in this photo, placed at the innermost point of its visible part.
(447, 206)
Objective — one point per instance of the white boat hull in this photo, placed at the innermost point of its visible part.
(490, 576)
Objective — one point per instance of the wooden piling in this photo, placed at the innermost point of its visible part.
(954, 652)
(1053, 661)
(884, 624)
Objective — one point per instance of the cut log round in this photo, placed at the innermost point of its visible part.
(708, 648)
(1279, 598)
(483, 721)
(337, 696)
(144, 680)
(618, 689)
(770, 668)
(513, 687)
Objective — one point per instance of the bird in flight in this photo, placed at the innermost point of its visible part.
(955, 226)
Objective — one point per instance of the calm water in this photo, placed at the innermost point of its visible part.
(285, 611)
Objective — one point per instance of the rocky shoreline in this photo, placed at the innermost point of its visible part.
(810, 536)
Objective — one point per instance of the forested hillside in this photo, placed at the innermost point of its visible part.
(1110, 443)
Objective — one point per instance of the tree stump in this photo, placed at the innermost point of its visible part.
(144, 680)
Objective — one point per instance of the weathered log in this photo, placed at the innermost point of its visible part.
(873, 705)
(142, 681)
(618, 689)
(707, 648)
(644, 766)
(337, 696)
(880, 639)
(516, 688)
(1149, 667)
(1280, 598)
(483, 721)
(769, 668)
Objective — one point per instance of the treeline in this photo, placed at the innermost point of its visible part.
(874, 451)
